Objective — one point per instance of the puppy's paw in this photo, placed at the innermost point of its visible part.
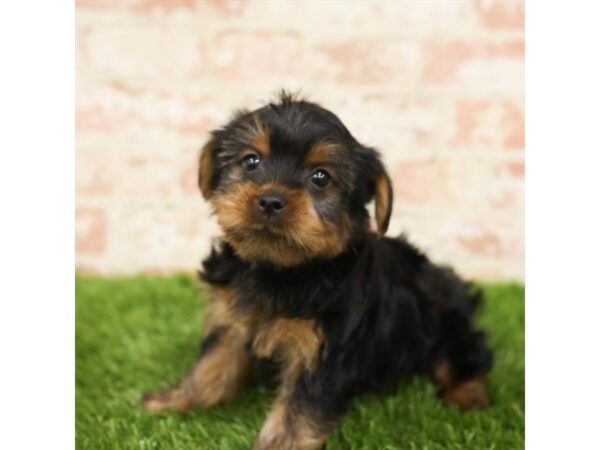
(287, 442)
(174, 399)
(288, 433)
(471, 394)
(281, 442)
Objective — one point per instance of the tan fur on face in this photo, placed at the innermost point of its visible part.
(256, 135)
(253, 133)
(301, 236)
(320, 154)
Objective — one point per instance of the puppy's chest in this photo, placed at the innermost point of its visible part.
(295, 342)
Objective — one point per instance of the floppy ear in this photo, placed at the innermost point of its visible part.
(384, 198)
(207, 172)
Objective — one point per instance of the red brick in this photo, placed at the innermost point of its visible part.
(464, 236)
(257, 55)
(94, 174)
(474, 183)
(224, 7)
(483, 243)
(189, 179)
(367, 62)
(167, 236)
(472, 61)
(489, 124)
(90, 231)
(421, 181)
(132, 173)
(153, 79)
(515, 169)
(507, 187)
(168, 6)
(95, 118)
(144, 52)
(96, 4)
(494, 237)
(405, 121)
(112, 109)
(323, 19)
(501, 14)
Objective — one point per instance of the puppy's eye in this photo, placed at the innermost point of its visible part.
(320, 178)
(251, 162)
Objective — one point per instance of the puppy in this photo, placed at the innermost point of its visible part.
(301, 279)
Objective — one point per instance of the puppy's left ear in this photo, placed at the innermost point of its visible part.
(207, 172)
(384, 198)
(379, 186)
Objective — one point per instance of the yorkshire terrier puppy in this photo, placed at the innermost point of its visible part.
(303, 280)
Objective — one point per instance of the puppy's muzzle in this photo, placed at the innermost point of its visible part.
(271, 204)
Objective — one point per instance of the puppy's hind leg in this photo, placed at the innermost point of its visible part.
(461, 360)
(466, 394)
(462, 367)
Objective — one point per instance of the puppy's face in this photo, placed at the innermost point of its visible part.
(288, 183)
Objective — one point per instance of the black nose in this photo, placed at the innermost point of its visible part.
(271, 203)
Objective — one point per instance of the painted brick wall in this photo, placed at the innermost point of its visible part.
(437, 86)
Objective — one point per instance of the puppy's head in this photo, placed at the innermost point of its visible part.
(289, 183)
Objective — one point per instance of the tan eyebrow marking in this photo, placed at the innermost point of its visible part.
(320, 154)
(256, 135)
(261, 142)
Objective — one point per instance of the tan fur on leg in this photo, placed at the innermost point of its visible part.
(216, 379)
(468, 394)
(285, 429)
(297, 343)
(220, 373)
(175, 399)
(471, 394)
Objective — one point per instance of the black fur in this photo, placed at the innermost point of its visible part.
(387, 312)
(210, 341)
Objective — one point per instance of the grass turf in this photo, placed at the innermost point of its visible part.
(138, 334)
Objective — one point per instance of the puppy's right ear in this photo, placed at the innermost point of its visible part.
(207, 172)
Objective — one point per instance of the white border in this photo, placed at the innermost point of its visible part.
(562, 225)
(37, 224)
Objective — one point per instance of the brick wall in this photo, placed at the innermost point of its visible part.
(437, 86)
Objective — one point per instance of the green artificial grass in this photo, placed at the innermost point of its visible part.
(139, 334)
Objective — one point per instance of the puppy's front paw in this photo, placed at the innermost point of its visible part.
(174, 399)
(283, 431)
(280, 442)
(287, 442)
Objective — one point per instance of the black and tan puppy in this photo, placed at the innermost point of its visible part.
(301, 279)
